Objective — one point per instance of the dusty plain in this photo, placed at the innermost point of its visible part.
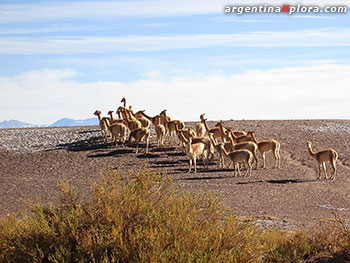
(34, 160)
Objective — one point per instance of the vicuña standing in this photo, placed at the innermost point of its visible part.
(113, 119)
(137, 135)
(218, 148)
(171, 125)
(215, 131)
(225, 132)
(322, 157)
(160, 132)
(200, 129)
(118, 132)
(132, 124)
(139, 116)
(267, 146)
(185, 135)
(156, 120)
(195, 151)
(104, 123)
(250, 146)
(238, 156)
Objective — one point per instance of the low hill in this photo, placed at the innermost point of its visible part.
(64, 122)
(15, 124)
(71, 122)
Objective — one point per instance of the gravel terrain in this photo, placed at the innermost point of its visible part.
(34, 160)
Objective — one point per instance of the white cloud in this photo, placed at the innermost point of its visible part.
(48, 29)
(312, 91)
(158, 25)
(235, 19)
(140, 43)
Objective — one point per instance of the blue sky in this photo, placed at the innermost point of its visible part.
(69, 58)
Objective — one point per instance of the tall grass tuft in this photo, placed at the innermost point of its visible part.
(141, 219)
(145, 219)
(285, 247)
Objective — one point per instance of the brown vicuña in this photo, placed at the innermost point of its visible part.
(215, 131)
(238, 156)
(139, 116)
(113, 119)
(171, 125)
(156, 120)
(137, 135)
(267, 146)
(218, 148)
(200, 129)
(103, 123)
(322, 157)
(250, 146)
(118, 131)
(184, 137)
(132, 124)
(195, 151)
(224, 132)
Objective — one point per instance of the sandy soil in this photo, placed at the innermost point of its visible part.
(34, 160)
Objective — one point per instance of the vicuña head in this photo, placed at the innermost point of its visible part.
(219, 124)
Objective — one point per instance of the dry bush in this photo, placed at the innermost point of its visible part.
(284, 247)
(331, 239)
(142, 219)
(145, 219)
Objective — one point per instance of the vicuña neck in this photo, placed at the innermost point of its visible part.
(147, 116)
(311, 152)
(254, 138)
(165, 117)
(183, 138)
(221, 127)
(206, 125)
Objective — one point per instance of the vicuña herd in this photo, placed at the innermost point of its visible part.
(239, 147)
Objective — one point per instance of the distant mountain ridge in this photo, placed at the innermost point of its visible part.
(72, 122)
(15, 124)
(64, 122)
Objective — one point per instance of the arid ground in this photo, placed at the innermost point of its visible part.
(33, 160)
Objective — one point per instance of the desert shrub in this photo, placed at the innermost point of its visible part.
(331, 237)
(140, 219)
(283, 247)
(327, 241)
(143, 218)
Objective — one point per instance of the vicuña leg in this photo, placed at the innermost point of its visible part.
(334, 169)
(323, 165)
(264, 159)
(248, 166)
(277, 156)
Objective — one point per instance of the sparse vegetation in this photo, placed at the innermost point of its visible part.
(145, 219)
